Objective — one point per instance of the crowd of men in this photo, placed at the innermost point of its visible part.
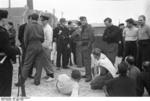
(40, 43)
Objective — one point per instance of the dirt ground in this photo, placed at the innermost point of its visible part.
(48, 89)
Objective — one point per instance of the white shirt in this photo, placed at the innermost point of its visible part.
(105, 62)
(48, 36)
(130, 34)
(67, 86)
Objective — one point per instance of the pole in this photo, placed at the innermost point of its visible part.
(53, 18)
(9, 4)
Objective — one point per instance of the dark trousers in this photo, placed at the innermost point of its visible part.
(73, 50)
(62, 51)
(86, 53)
(99, 81)
(130, 49)
(23, 57)
(6, 70)
(120, 49)
(143, 52)
(79, 56)
(111, 51)
(33, 51)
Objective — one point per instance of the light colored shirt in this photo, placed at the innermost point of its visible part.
(67, 86)
(104, 62)
(48, 36)
(130, 34)
(144, 32)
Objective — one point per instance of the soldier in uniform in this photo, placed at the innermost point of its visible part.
(87, 38)
(62, 40)
(6, 53)
(33, 39)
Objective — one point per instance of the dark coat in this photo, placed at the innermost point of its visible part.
(6, 68)
(112, 34)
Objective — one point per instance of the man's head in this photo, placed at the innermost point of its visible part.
(121, 26)
(62, 21)
(146, 66)
(76, 75)
(34, 17)
(3, 17)
(130, 60)
(44, 19)
(96, 53)
(10, 25)
(83, 20)
(122, 68)
(130, 22)
(108, 22)
(142, 20)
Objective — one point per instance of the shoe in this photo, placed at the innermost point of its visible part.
(88, 79)
(17, 84)
(37, 83)
(30, 76)
(66, 67)
(50, 79)
(83, 76)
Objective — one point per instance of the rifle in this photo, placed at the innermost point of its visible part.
(23, 92)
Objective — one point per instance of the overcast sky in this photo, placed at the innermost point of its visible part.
(94, 10)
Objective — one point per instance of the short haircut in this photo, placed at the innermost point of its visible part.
(10, 23)
(122, 68)
(121, 24)
(69, 22)
(146, 66)
(143, 16)
(96, 51)
(131, 21)
(35, 16)
(130, 60)
(76, 74)
(44, 17)
(3, 14)
(108, 19)
(82, 18)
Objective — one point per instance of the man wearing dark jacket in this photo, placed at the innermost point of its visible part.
(111, 37)
(6, 54)
(61, 33)
(122, 85)
(33, 39)
(143, 80)
(21, 37)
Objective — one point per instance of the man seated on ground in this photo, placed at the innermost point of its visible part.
(133, 71)
(122, 85)
(69, 85)
(143, 80)
(102, 69)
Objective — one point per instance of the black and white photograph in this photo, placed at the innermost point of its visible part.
(74, 48)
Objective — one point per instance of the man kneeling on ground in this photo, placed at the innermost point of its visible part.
(102, 69)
